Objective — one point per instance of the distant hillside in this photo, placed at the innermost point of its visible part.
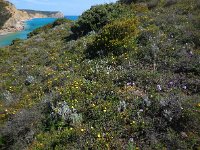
(47, 13)
(12, 18)
(4, 13)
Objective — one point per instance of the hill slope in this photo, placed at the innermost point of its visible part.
(124, 76)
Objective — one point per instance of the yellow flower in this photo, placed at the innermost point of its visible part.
(98, 135)
(82, 130)
(198, 104)
(133, 122)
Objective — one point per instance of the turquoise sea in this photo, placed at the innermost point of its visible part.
(30, 25)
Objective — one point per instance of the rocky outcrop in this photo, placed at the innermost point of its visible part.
(17, 18)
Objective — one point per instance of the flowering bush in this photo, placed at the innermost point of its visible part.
(116, 37)
(143, 95)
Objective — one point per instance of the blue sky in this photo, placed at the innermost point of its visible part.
(68, 7)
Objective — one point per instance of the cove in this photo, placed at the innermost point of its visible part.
(30, 25)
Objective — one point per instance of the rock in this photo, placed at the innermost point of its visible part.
(184, 135)
(147, 102)
(63, 110)
(122, 106)
(76, 118)
(17, 18)
(29, 80)
(7, 98)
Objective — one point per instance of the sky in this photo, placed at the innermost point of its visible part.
(68, 7)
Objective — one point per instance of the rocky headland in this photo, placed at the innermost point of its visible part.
(17, 18)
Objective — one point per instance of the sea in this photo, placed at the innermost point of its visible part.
(30, 25)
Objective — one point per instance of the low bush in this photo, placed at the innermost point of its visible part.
(116, 37)
(50, 26)
(96, 17)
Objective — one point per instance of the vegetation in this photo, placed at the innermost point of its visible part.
(47, 27)
(132, 84)
(4, 13)
(97, 17)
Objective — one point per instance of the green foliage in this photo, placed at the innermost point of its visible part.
(16, 41)
(96, 17)
(116, 37)
(60, 21)
(144, 95)
(47, 27)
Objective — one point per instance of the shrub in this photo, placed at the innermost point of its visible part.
(116, 37)
(49, 26)
(96, 17)
(170, 2)
(16, 41)
(60, 21)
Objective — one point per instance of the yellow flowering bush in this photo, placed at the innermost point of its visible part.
(116, 37)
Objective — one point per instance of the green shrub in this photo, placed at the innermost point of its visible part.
(16, 41)
(60, 21)
(116, 37)
(96, 17)
(49, 26)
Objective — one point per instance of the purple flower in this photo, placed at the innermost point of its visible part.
(129, 84)
(170, 84)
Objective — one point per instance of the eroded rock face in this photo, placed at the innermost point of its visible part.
(16, 21)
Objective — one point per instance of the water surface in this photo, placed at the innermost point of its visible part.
(30, 25)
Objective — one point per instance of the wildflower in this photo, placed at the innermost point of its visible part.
(98, 135)
(184, 87)
(131, 140)
(82, 130)
(133, 122)
(128, 84)
(159, 87)
(71, 129)
(171, 83)
(198, 104)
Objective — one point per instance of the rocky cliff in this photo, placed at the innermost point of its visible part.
(15, 21)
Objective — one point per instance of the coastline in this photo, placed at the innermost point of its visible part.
(28, 26)
(19, 27)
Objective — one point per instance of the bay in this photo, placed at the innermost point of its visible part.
(30, 25)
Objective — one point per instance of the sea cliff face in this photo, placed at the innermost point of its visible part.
(17, 18)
